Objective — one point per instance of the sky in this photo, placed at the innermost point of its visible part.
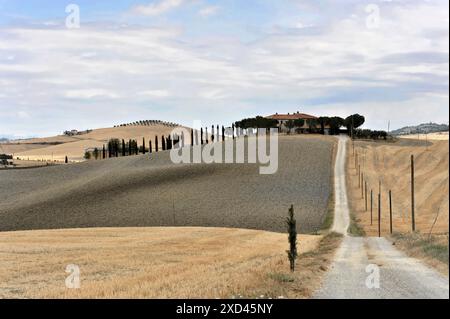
(220, 61)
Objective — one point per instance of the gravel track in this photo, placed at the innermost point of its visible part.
(149, 190)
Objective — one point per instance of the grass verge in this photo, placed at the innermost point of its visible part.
(355, 229)
(311, 267)
(433, 250)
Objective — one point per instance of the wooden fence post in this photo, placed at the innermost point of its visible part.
(412, 195)
(379, 215)
(359, 176)
(371, 207)
(362, 185)
(390, 210)
(365, 193)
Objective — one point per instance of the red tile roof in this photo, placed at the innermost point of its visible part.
(293, 116)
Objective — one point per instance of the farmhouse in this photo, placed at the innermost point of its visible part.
(311, 122)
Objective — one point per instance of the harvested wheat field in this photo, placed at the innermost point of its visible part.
(58, 147)
(390, 164)
(149, 190)
(439, 136)
(158, 263)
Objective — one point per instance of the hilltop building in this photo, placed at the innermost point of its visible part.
(310, 122)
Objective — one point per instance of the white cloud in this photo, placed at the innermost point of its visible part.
(209, 11)
(91, 94)
(154, 9)
(155, 93)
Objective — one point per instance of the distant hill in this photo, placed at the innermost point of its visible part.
(3, 140)
(73, 144)
(422, 128)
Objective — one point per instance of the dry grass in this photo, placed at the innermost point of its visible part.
(160, 263)
(390, 164)
(433, 250)
(440, 136)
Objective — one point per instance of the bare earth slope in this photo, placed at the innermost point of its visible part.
(149, 190)
(399, 276)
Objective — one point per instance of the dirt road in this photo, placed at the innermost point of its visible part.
(372, 268)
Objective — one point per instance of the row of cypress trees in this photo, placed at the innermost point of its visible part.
(116, 147)
(215, 135)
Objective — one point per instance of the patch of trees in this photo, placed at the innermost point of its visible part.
(370, 134)
(256, 122)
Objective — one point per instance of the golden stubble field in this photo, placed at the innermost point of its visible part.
(159, 263)
(390, 163)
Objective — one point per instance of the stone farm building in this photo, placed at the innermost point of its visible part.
(310, 121)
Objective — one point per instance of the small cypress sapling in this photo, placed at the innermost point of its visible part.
(292, 230)
(163, 143)
(232, 130)
(218, 134)
(66, 160)
(156, 143)
(223, 133)
(143, 145)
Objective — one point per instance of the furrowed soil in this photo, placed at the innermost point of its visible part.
(149, 190)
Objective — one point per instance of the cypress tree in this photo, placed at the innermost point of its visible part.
(129, 148)
(150, 146)
(292, 231)
(223, 133)
(104, 152)
(143, 145)
(66, 160)
(169, 143)
(156, 143)
(201, 136)
(232, 130)
(123, 147)
(192, 137)
(136, 147)
(163, 143)
(218, 134)
(212, 134)
(207, 140)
